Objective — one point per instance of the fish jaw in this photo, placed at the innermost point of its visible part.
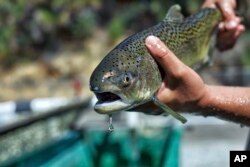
(109, 102)
(111, 107)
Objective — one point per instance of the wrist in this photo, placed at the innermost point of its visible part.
(205, 100)
(198, 104)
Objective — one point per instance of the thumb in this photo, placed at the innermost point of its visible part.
(165, 57)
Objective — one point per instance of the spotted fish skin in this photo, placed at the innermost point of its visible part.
(130, 72)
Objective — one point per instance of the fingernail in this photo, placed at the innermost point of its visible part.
(151, 41)
(155, 42)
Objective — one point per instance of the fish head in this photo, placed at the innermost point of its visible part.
(118, 83)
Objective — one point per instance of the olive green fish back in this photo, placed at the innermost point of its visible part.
(190, 39)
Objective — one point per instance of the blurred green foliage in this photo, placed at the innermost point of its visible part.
(29, 28)
(84, 23)
(116, 27)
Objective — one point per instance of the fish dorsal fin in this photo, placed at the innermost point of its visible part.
(174, 14)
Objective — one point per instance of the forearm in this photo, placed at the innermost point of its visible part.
(226, 102)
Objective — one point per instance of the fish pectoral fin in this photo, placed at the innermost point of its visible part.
(174, 14)
(169, 110)
(148, 108)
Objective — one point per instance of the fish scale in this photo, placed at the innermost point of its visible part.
(131, 74)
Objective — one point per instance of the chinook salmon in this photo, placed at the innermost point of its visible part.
(129, 77)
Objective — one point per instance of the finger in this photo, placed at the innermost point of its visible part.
(165, 57)
(221, 26)
(230, 25)
(233, 23)
(241, 28)
(227, 10)
(238, 19)
(238, 31)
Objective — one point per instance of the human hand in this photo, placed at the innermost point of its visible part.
(182, 87)
(230, 28)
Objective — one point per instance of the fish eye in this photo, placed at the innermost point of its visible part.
(126, 80)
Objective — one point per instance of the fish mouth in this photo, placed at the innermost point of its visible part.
(109, 102)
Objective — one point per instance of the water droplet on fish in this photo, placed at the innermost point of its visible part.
(111, 127)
